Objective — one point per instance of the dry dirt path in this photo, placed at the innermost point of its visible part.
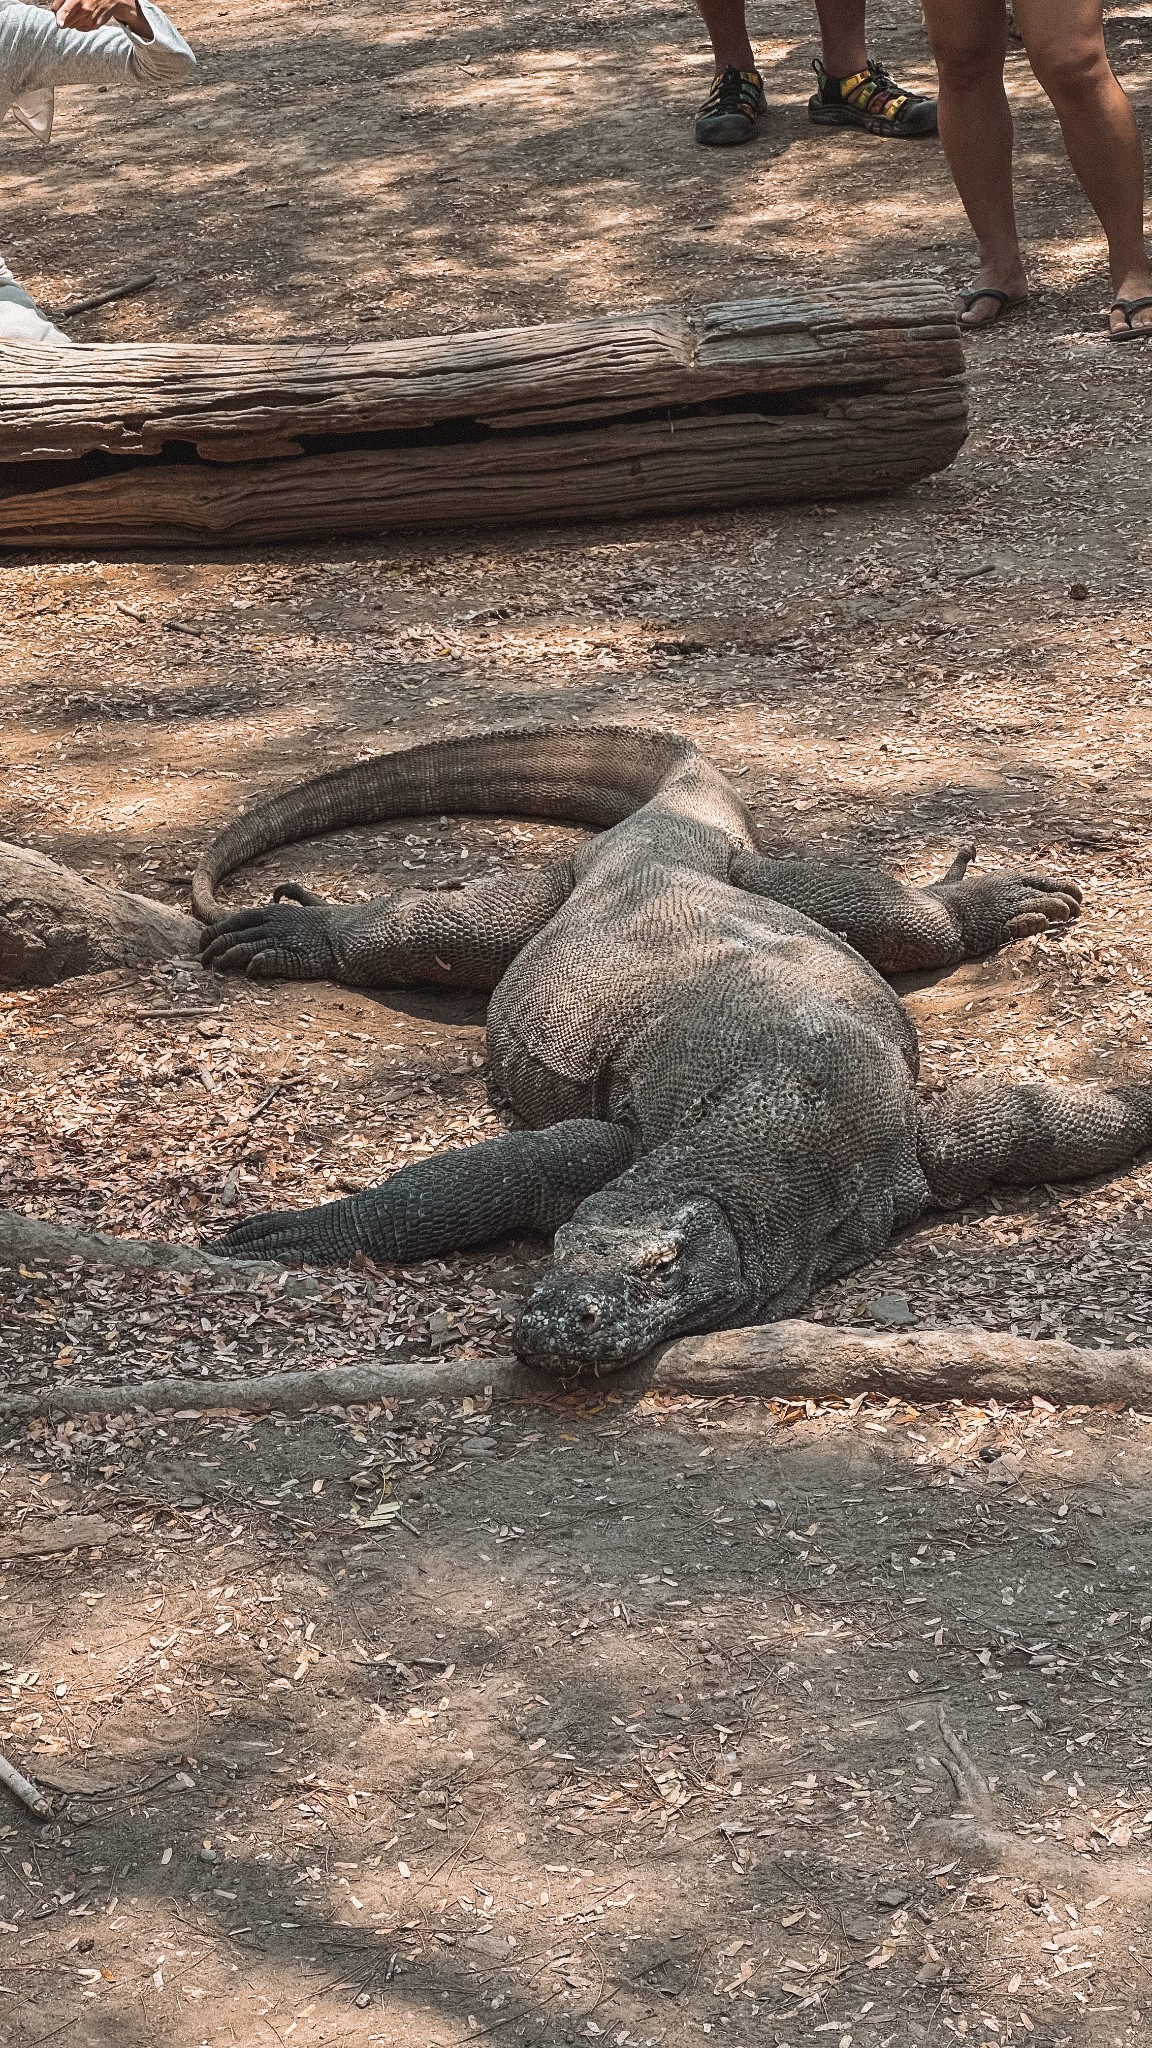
(974, 657)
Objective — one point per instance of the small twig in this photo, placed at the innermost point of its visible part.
(506, 2018)
(457, 1855)
(115, 291)
(594, 1953)
(62, 2029)
(114, 1795)
(18, 1875)
(24, 1789)
(290, 1081)
(202, 1010)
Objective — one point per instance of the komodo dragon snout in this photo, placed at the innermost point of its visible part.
(617, 1288)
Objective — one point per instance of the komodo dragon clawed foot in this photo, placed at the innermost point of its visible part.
(718, 1082)
(280, 941)
(993, 910)
(276, 943)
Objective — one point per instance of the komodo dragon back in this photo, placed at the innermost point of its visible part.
(595, 776)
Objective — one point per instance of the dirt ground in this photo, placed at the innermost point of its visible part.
(395, 1726)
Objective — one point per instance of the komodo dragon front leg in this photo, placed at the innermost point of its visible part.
(466, 938)
(527, 1181)
(901, 929)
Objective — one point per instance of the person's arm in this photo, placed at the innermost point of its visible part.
(129, 42)
(86, 15)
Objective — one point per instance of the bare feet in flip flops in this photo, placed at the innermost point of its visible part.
(988, 300)
(1130, 314)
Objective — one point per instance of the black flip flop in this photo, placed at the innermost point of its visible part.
(1128, 332)
(987, 291)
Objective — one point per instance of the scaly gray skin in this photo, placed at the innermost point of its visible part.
(718, 1084)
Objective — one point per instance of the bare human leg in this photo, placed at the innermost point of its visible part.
(841, 33)
(842, 36)
(1064, 41)
(727, 28)
(976, 130)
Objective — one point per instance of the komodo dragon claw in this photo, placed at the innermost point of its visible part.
(276, 942)
(993, 909)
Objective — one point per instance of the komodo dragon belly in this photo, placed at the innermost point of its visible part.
(648, 1009)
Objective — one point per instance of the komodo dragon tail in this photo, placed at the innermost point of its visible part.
(596, 775)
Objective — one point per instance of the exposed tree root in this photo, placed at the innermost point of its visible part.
(54, 1244)
(54, 923)
(293, 1393)
(796, 1359)
(972, 1835)
(815, 1362)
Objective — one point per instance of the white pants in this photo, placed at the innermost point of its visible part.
(22, 320)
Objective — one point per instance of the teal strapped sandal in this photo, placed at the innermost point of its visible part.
(733, 110)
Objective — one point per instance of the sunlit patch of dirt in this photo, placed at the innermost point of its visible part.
(587, 1722)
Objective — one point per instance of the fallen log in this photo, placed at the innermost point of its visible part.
(835, 394)
(47, 1536)
(24, 1789)
(54, 924)
(779, 1361)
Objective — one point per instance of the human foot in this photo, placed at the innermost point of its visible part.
(990, 297)
(1130, 314)
(733, 110)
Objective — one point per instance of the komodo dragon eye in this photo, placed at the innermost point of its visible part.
(658, 1259)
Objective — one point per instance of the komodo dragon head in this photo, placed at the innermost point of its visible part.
(628, 1273)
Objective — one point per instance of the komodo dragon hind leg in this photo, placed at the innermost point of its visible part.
(902, 929)
(982, 1134)
(529, 1180)
(459, 938)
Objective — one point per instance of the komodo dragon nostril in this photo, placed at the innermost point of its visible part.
(590, 1313)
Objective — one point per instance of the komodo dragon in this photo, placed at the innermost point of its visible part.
(718, 1084)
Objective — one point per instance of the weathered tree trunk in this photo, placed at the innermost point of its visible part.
(54, 924)
(840, 394)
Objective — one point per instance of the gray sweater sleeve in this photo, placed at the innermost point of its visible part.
(35, 52)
